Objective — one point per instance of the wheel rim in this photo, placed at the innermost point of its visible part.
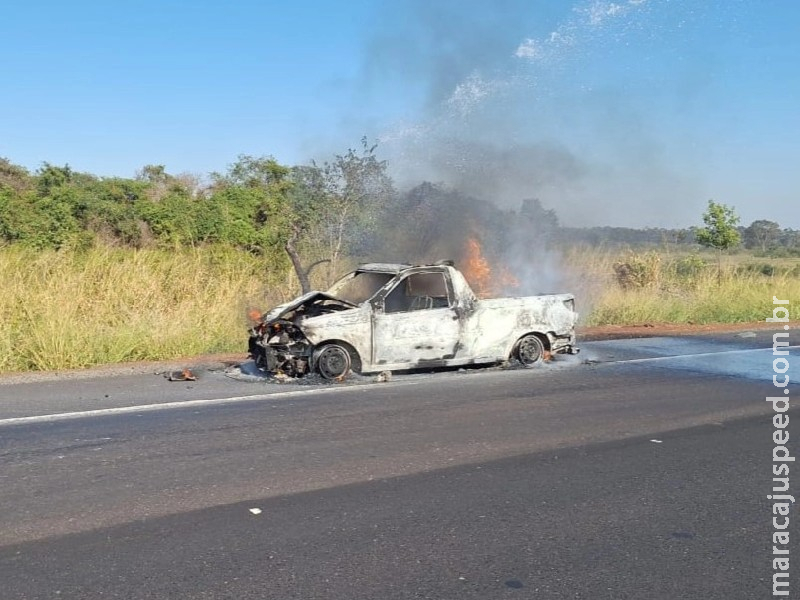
(530, 350)
(333, 362)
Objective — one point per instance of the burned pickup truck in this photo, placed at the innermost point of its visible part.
(384, 317)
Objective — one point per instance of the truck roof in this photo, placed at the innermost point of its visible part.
(397, 267)
(383, 267)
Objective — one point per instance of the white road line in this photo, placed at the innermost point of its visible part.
(143, 408)
(701, 354)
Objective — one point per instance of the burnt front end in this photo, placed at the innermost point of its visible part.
(277, 343)
(279, 346)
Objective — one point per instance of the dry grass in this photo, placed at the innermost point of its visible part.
(62, 310)
(659, 287)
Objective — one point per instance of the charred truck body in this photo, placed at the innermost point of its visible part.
(394, 316)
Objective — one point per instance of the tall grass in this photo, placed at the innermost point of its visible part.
(61, 310)
(658, 287)
(69, 309)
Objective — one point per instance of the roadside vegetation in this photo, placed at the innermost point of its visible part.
(102, 270)
(68, 309)
(659, 286)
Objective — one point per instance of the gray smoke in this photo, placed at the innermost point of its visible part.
(511, 108)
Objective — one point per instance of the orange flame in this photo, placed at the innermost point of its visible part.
(485, 280)
(477, 269)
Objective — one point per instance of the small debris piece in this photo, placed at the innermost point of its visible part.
(384, 376)
(547, 356)
(185, 375)
(255, 511)
(657, 441)
(746, 334)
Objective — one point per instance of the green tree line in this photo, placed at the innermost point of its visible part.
(289, 214)
(303, 216)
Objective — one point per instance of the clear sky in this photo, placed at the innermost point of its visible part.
(633, 112)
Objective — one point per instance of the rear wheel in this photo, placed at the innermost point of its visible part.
(530, 350)
(333, 361)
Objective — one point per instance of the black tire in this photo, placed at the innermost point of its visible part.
(333, 361)
(529, 350)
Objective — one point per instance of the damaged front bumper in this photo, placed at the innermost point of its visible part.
(280, 347)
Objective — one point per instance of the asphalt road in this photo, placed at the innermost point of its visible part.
(638, 470)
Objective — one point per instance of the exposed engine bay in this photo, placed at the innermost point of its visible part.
(278, 344)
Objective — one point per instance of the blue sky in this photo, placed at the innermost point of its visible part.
(631, 113)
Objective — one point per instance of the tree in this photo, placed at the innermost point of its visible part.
(161, 184)
(357, 188)
(249, 205)
(334, 208)
(762, 235)
(153, 174)
(15, 177)
(50, 177)
(790, 239)
(254, 172)
(306, 196)
(720, 231)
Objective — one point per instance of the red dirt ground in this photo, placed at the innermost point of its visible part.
(610, 332)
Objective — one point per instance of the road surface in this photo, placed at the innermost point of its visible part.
(638, 469)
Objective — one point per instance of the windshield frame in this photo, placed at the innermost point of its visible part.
(343, 282)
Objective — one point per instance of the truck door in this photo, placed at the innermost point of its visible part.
(417, 323)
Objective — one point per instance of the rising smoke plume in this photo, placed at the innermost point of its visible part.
(512, 107)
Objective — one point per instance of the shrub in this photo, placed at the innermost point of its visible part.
(638, 270)
(690, 265)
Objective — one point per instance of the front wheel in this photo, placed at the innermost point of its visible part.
(530, 350)
(333, 361)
